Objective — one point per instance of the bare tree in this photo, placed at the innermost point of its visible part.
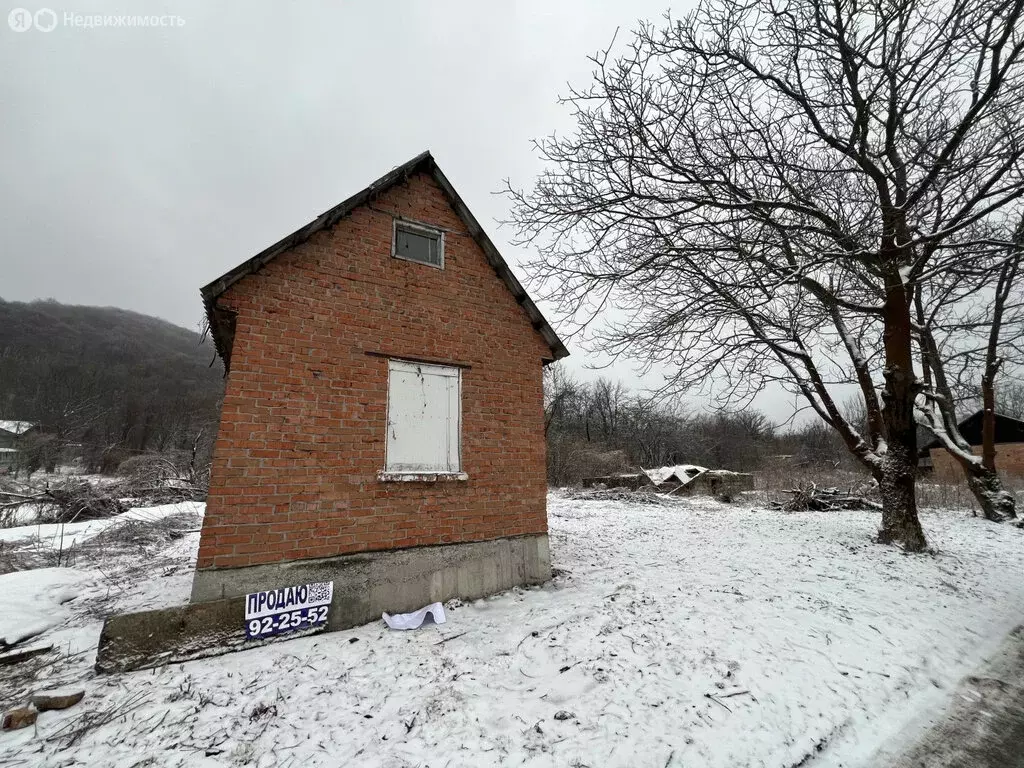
(1010, 399)
(608, 401)
(600, 427)
(974, 325)
(559, 389)
(760, 187)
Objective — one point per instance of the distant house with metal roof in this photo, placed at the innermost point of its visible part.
(11, 433)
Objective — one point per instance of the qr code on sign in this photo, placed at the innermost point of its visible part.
(320, 593)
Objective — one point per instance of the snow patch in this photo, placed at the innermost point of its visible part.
(32, 602)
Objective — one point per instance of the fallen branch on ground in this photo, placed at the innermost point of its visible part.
(814, 499)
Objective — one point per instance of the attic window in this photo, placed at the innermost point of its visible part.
(415, 242)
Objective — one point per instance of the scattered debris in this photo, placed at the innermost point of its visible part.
(718, 701)
(72, 732)
(69, 502)
(49, 700)
(83, 501)
(450, 637)
(632, 481)
(75, 500)
(19, 717)
(262, 710)
(415, 619)
(729, 694)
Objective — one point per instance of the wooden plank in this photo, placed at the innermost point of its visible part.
(16, 657)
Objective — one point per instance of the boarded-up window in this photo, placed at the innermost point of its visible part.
(424, 417)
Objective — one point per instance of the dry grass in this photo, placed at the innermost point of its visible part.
(19, 557)
(945, 493)
(132, 539)
(18, 680)
(76, 499)
(67, 502)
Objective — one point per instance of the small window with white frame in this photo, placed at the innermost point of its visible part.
(419, 243)
(424, 420)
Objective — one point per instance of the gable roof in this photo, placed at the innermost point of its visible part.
(16, 427)
(222, 324)
(681, 473)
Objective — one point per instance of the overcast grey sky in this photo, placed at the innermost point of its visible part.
(139, 163)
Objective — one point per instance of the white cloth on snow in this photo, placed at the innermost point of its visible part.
(415, 619)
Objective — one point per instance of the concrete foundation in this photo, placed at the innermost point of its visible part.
(365, 585)
(395, 581)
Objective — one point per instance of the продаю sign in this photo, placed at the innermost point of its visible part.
(287, 609)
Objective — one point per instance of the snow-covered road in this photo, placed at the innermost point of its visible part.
(692, 633)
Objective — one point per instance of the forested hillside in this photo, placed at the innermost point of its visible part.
(108, 382)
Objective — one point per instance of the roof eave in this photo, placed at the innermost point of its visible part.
(500, 266)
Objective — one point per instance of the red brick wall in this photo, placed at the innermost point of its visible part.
(1009, 461)
(302, 432)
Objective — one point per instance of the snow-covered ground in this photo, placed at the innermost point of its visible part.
(691, 633)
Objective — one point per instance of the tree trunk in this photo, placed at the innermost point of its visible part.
(988, 421)
(900, 524)
(997, 504)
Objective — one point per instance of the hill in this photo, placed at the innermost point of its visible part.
(107, 378)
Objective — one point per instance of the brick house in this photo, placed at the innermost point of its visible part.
(1009, 440)
(382, 424)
